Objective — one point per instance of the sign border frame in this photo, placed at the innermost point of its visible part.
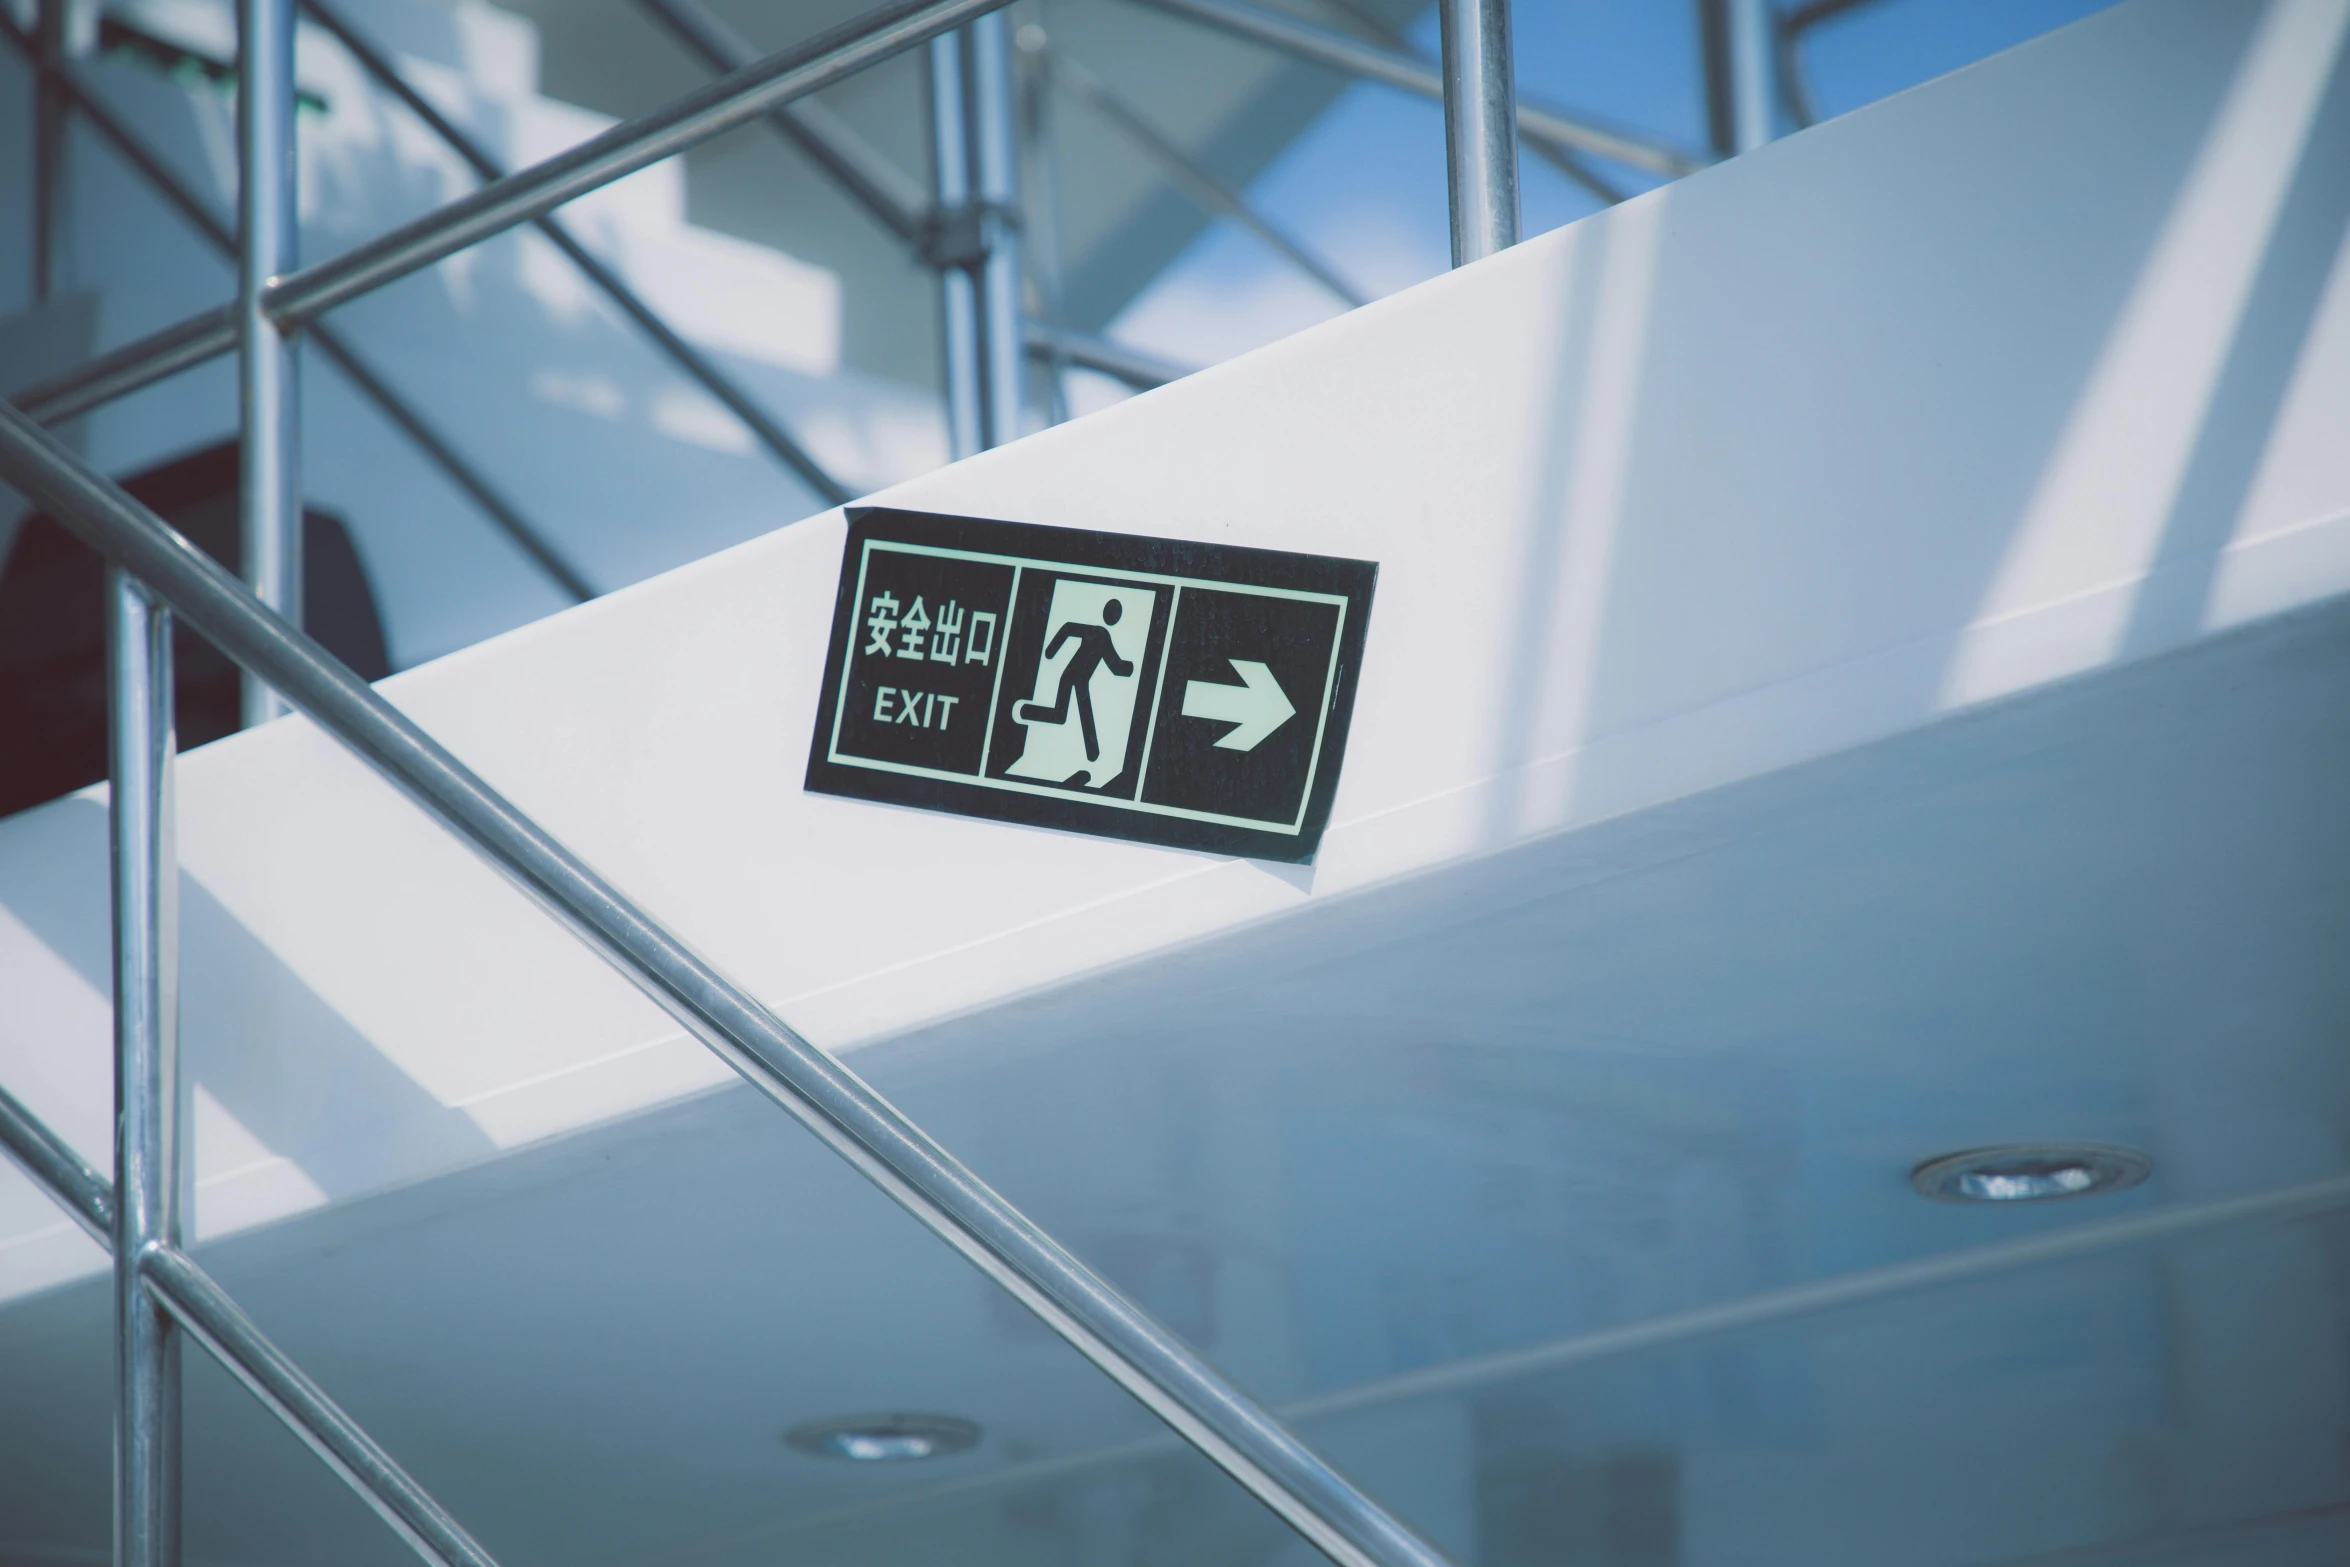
(1088, 549)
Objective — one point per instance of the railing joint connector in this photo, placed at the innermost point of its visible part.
(962, 236)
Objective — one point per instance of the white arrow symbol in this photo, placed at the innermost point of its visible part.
(1257, 706)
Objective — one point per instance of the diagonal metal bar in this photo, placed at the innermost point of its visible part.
(50, 1160)
(1179, 166)
(1142, 1357)
(895, 198)
(79, 397)
(201, 1306)
(1131, 365)
(458, 469)
(136, 364)
(732, 100)
(1795, 93)
(684, 355)
(1353, 57)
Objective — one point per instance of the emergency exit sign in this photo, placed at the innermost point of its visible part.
(1194, 695)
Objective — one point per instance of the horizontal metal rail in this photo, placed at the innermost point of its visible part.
(685, 356)
(198, 1303)
(895, 198)
(1354, 57)
(120, 372)
(1151, 1364)
(1137, 369)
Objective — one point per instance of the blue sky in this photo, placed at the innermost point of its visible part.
(1364, 186)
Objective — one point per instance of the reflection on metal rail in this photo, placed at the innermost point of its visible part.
(1353, 57)
(198, 1304)
(1480, 127)
(1142, 1357)
(49, 1159)
(691, 360)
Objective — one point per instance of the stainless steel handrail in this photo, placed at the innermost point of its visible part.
(191, 342)
(732, 100)
(892, 196)
(197, 1303)
(532, 192)
(1151, 1364)
(1354, 57)
(136, 364)
(684, 355)
(50, 1159)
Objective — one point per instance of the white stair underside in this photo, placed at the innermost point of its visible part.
(2034, 371)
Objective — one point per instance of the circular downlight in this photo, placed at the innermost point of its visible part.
(2030, 1172)
(884, 1439)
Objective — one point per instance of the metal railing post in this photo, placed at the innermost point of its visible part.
(1151, 1364)
(1351, 56)
(201, 338)
(1739, 41)
(49, 130)
(200, 1307)
(958, 294)
(1753, 48)
(1480, 127)
(993, 104)
(297, 300)
(141, 743)
(268, 384)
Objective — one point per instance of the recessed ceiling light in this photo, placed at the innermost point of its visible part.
(884, 1439)
(2030, 1172)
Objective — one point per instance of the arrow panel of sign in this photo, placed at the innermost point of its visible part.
(1174, 692)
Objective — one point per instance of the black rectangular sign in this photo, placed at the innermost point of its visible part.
(1195, 695)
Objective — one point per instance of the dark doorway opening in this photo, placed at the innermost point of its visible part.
(52, 645)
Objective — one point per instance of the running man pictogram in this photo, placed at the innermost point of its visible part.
(1094, 651)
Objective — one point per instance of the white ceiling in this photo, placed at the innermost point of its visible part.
(1667, 1061)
